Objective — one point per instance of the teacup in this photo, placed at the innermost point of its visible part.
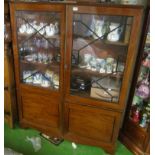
(29, 58)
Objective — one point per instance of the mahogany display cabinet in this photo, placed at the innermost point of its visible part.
(73, 65)
(135, 133)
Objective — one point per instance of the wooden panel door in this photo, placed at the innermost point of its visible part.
(93, 126)
(101, 54)
(38, 43)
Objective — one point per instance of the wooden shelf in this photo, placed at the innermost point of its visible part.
(81, 93)
(40, 64)
(102, 41)
(23, 35)
(136, 125)
(89, 73)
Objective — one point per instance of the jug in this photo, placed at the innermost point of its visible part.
(115, 33)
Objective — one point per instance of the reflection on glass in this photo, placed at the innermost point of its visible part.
(39, 48)
(99, 51)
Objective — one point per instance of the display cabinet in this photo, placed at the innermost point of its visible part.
(73, 76)
(135, 133)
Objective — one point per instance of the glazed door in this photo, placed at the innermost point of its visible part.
(101, 54)
(39, 40)
(38, 52)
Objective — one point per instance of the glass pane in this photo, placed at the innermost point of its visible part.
(100, 45)
(39, 48)
(140, 109)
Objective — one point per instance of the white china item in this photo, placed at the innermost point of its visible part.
(52, 29)
(115, 33)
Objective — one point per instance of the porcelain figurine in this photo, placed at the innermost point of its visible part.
(22, 29)
(99, 61)
(41, 29)
(56, 27)
(93, 64)
(29, 29)
(114, 66)
(146, 62)
(109, 68)
(143, 90)
(49, 74)
(45, 58)
(97, 26)
(87, 59)
(103, 66)
(28, 77)
(45, 83)
(34, 24)
(35, 57)
(56, 81)
(50, 57)
(115, 33)
(49, 30)
(143, 121)
(37, 78)
(136, 115)
(52, 29)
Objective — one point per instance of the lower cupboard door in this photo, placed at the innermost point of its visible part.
(91, 123)
(43, 111)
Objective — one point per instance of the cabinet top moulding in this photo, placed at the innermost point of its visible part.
(70, 2)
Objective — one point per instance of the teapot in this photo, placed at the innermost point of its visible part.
(115, 33)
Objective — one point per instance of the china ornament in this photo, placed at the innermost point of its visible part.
(143, 90)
